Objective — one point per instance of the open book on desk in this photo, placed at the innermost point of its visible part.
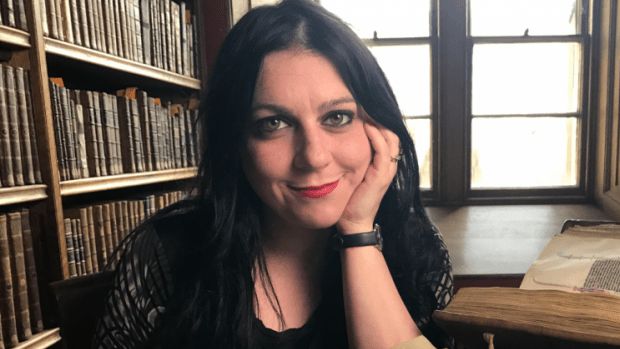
(569, 298)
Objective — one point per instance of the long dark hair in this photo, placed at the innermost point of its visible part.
(212, 305)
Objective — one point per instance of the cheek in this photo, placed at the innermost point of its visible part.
(357, 153)
(263, 162)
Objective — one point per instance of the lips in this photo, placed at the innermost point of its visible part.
(315, 192)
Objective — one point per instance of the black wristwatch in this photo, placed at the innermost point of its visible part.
(371, 238)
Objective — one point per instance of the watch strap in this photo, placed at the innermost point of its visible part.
(371, 238)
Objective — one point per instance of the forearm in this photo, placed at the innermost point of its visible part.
(376, 315)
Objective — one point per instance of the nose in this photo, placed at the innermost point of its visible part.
(312, 151)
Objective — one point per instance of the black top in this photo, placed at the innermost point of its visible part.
(144, 283)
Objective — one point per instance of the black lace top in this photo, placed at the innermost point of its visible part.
(143, 284)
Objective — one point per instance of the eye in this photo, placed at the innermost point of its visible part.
(338, 118)
(270, 124)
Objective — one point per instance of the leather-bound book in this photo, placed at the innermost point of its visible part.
(70, 248)
(75, 22)
(90, 132)
(77, 247)
(102, 248)
(107, 226)
(126, 128)
(6, 161)
(118, 161)
(84, 230)
(7, 306)
(90, 23)
(58, 130)
(168, 33)
(52, 18)
(67, 21)
(18, 273)
(183, 38)
(83, 23)
(59, 19)
(94, 254)
(33, 135)
(81, 141)
(136, 134)
(145, 30)
(24, 127)
(154, 133)
(145, 123)
(14, 135)
(137, 30)
(36, 318)
(68, 106)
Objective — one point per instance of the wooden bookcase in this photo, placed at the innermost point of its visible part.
(45, 57)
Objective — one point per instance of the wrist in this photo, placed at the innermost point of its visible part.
(348, 228)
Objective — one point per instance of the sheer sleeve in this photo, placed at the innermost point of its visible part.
(137, 300)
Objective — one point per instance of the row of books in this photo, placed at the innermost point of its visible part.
(161, 33)
(19, 161)
(93, 232)
(13, 14)
(100, 134)
(20, 309)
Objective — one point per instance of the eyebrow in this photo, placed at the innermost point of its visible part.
(284, 111)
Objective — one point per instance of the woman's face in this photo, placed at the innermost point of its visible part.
(306, 149)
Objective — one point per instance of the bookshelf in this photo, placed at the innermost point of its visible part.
(53, 201)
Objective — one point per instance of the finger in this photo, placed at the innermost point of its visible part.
(379, 145)
(393, 143)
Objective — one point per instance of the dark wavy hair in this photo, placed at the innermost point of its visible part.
(212, 305)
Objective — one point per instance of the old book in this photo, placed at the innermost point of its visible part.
(182, 138)
(141, 211)
(76, 247)
(137, 30)
(136, 134)
(189, 130)
(118, 39)
(81, 141)
(9, 14)
(36, 318)
(125, 37)
(107, 225)
(107, 25)
(145, 28)
(118, 219)
(183, 38)
(126, 220)
(520, 318)
(83, 23)
(93, 239)
(67, 22)
(18, 272)
(107, 132)
(101, 145)
(154, 144)
(33, 135)
(100, 20)
(168, 37)
(70, 248)
(113, 224)
(176, 148)
(6, 161)
(196, 50)
(52, 18)
(20, 15)
(145, 122)
(59, 19)
(58, 129)
(90, 20)
(14, 135)
(96, 29)
(24, 127)
(90, 132)
(67, 109)
(155, 33)
(100, 237)
(75, 22)
(118, 162)
(126, 128)
(176, 33)
(191, 42)
(88, 259)
(7, 305)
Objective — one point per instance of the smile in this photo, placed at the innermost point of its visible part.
(315, 192)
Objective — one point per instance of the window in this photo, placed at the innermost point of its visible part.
(492, 91)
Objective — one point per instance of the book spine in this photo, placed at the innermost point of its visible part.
(177, 37)
(113, 225)
(183, 139)
(136, 134)
(152, 129)
(58, 127)
(36, 318)
(90, 22)
(155, 33)
(145, 17)
(52, 18)
(60, 19)
(76, 247)
(70, 248)
(190, 43)
(107, 25)
(102, 249)
(88, 260)
(108, 131)
(184, 42)
(118, 163)
(118, 28)
(168, 34)
(145, 123)
(125, 125)
(107, 226)
(75, 22)
(83, 23)
(99, 20)
(81, 141)
(7, 305)
(137, 29)
(100, 132)
(125, 217)
(20, 15)
(125, 29)
(94, 254)
(10, 14)
(33, 135)
(24, 127)
(18, 271)
(90, 133)
(14, 134)
(44, 25)
(6, 161)
(68, 106)
(67, 21)
(189, 138)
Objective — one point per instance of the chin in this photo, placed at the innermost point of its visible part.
(317, 220)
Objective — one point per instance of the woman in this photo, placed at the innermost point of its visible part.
(305, 150)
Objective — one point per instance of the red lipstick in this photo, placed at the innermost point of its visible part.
(319, 191)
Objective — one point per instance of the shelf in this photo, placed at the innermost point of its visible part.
(97, 184)
(83, 54)
(27, 193)
(41, 340)
(14, 36)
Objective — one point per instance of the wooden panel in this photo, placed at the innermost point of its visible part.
(84, 54)
(17, 195)
(41, 340)
(96, 184)
(14, 36)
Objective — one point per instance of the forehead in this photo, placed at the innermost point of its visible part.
(295, 73)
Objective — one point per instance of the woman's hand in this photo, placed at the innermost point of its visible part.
(360, 212)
